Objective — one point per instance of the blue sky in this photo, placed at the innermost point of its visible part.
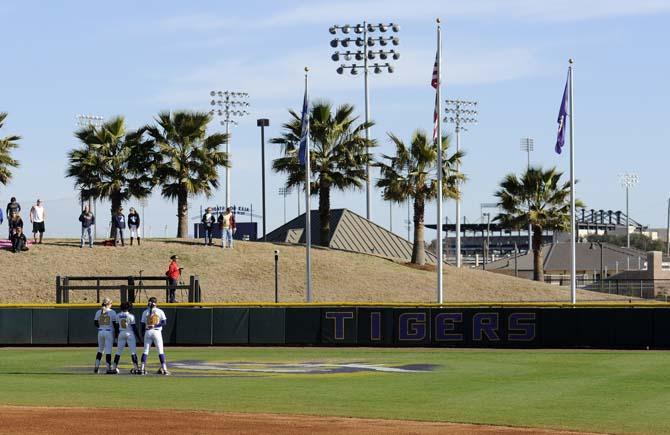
(137, 58)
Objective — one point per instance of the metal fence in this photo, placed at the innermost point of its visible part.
(637, 288)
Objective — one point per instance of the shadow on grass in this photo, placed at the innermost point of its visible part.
(187, 242)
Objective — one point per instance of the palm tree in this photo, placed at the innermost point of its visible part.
(338, 155)
(190, 159)
(7, 144)
(411, 174)
(112, 164)
(538, 198)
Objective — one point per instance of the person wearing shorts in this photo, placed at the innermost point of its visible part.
(37, 217)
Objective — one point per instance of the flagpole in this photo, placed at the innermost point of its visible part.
(440, 249)
(308, 212)
(573, 238)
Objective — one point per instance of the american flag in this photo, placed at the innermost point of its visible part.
(435, 83)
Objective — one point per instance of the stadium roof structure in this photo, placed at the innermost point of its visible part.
(556, 257)
(348, 232)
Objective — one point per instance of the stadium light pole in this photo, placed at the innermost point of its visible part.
(284, 191)
(460, 113)
(227, 105)
(527, 146)
(351, 60)
(628, 180)
(96, 121)
(262, 123)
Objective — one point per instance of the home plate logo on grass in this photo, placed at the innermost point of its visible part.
(211, 368)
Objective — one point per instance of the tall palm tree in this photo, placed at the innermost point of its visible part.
(7, 144)
(411, 174)
(338, 156)
(190, 159)
(112, 164)
(537, 198)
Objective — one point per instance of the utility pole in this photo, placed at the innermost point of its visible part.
(262, 123)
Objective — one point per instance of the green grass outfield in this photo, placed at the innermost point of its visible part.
(609, 391)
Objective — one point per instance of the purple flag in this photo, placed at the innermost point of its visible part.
(562, 118)
(304, 131)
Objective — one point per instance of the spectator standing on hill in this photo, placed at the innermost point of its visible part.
(12, 207)
(173, 273)
(208, 221)
(37, 217)
(119, 223)
(227, 224)
(134, 225)
(87, 220)
(19, 241)
(14, 222)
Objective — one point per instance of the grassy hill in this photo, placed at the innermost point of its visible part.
(247, 274)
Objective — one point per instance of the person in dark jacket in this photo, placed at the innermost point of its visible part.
(134, 225)
(13, 207)
(208, 221)
(119, 223)
(87, 220)
(19, 241)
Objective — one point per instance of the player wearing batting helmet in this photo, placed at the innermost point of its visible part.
(153, 320)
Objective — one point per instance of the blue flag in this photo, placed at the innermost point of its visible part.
(562, 118)
(304, 131)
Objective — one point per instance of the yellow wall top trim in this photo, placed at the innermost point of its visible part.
(608, 304)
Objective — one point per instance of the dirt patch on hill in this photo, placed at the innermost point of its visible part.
(74, 421)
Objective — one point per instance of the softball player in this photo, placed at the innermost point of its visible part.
(105, 321)
(129, 335)
(153, 320)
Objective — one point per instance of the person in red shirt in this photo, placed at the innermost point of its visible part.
(173, 273)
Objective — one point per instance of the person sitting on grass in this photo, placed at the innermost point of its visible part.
(14, 222)
(19, 242)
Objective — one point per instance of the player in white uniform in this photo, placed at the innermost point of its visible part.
(105, 321)
(127, 335)
(153, 320)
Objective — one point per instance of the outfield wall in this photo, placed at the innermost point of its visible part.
(428, 326)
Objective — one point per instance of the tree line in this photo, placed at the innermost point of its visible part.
(176, 154)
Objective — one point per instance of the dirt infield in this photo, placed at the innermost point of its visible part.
(73, 421)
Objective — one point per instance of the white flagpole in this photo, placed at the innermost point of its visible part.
(440, 249)
(308, 210)
(573, 235)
